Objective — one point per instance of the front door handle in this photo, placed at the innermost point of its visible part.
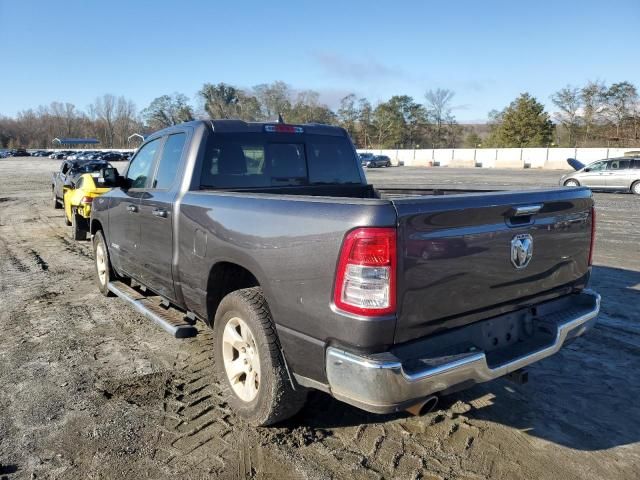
(132, 208)
(159, 212)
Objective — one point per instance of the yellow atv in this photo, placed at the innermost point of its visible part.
(78, 199)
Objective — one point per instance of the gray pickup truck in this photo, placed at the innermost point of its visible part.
(312, 278)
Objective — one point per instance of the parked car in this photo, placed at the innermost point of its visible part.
(70, 171)
(379, 161)
(112, 157)
(79, 197)
(366, 157)
(20, 152)
(312, 278)
(619, 174)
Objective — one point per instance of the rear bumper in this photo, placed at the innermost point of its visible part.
(383, 383)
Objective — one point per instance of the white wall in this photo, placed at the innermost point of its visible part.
(548, 158)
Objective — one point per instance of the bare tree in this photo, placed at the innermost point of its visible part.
(104, 110)
(569, 101)
(275, 98)
(440, 112)
(125, 122)
(621, 99)
(592, 97)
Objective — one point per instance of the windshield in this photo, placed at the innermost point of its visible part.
(272, 159)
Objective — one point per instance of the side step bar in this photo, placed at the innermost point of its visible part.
(170, 319)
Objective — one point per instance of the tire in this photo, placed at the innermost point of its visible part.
(388, 164)
(54, 200)
(78, 231)
(67, 222)
(102, 264)
(260, 391)
(572, 183)
(635, 188)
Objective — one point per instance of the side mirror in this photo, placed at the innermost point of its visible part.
(587, 169)
(109, 177)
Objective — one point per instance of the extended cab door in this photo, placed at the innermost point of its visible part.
(156, 219)
(124, 214)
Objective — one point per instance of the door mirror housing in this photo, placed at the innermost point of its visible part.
(109, 177)
(587, 169)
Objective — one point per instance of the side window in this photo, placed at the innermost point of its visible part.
(141, 166)
(169, 161)
(79, 183)
(65, 168)
(596, 167)
(619, 165)
(635, 163)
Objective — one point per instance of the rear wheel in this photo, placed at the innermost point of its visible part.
(54, 200)
(67, 220)
(104, 272)
(571, 183)
(635, 188)
(249, 361)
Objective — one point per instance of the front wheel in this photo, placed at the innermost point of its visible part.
(102, 263)
(249, 361)
(571, 183)
(635, 188)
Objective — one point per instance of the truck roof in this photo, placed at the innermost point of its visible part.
(240, 126)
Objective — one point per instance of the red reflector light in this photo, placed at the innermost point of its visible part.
(366, 274)
(282, 128)
(86, 200)
(593, 235)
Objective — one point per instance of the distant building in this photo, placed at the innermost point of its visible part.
(69, 142)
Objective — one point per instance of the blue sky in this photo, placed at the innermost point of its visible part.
(486, 51)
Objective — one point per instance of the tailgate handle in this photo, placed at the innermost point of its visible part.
(525, 211)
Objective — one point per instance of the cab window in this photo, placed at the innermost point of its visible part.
(141, 166)
(169, 161)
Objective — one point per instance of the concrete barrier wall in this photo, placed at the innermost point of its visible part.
(548, 158)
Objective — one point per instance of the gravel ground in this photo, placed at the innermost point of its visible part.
(90, 389)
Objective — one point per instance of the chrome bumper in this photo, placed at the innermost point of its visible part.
(381, 383)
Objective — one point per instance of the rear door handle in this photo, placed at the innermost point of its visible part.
(132, 208)
(159, 212)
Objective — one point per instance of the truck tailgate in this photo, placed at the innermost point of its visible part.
(455, 254)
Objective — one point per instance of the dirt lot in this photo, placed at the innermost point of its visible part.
(90, 389)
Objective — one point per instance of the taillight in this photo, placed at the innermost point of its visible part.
(593, 235)
(86, 200)
(283, 128)
(366, 275)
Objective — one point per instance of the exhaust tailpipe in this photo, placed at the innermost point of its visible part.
(424, 406)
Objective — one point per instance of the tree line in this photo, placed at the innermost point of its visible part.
(595, 114)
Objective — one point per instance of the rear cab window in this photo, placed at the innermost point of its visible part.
(244, 160)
